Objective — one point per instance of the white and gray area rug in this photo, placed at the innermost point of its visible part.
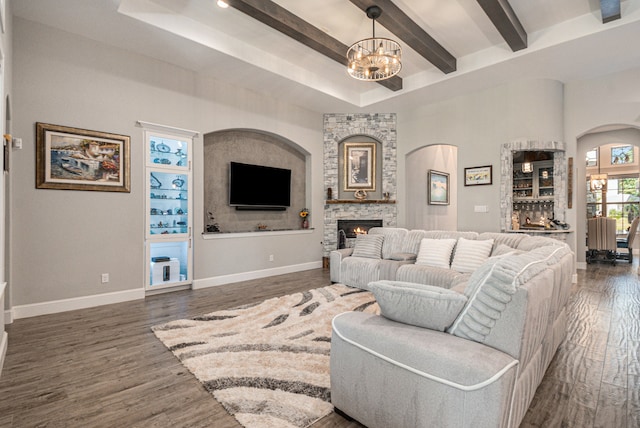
(267, 363)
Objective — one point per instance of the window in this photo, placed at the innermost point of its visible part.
(621, 155)
(592, 158)
(619, 199)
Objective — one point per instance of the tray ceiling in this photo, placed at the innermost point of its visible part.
(565, 40)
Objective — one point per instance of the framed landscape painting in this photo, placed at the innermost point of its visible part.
(478, 175)
(438, 188)
(79, 159)
(359, 166)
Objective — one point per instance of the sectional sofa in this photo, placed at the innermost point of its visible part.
(458, 343)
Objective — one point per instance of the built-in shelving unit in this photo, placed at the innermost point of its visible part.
(168, 216)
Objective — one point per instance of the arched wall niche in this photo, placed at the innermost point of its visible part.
(256, 147)
(421, 215)
(506, 176)
(623, 134)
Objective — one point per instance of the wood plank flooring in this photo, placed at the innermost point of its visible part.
(102, 367)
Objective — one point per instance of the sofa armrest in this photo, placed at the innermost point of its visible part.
(454, 382)
(423, 351)
(335, 259)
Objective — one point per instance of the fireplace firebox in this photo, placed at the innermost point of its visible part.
(348, 230)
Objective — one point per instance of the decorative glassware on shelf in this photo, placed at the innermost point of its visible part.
(169, 152)
(168, 203)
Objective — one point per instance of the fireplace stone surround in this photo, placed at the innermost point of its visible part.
(339, 127)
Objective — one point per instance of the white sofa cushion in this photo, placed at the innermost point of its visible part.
(470, 254)
(417, 304)
(369, 246)
(435, 252)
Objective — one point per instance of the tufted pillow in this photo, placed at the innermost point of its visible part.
(489, 290)
(470, 254)
(369, 246)
(435, 252)
(492, 286)
(421, 305)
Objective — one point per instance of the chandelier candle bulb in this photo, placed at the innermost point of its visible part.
(375, 58)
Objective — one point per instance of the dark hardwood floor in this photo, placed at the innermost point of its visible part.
(103, 367)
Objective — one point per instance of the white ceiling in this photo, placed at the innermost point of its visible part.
(566, 41)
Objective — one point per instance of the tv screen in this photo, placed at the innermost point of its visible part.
(256, 186)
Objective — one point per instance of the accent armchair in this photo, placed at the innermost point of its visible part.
(627, 242)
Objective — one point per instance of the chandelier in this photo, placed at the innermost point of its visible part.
(598, 181)
(374, 59)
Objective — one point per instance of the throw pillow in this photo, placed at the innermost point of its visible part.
(369, 246)
(421, 305)
(489, 291)
(435, 252)
(470, 254)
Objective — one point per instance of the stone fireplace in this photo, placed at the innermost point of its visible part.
(348, 230)
(339, 127)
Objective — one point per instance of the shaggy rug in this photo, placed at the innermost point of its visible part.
(267, 363)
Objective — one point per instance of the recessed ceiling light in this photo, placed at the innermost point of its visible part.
(223, 4)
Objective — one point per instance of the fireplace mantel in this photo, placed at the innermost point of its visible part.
(360, 201)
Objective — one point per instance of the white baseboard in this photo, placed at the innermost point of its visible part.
(44, 308)
(8, 316)
(574, 278)
(4, 341)
(581, 265)
(256, 274)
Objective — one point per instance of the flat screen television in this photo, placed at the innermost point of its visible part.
(257, 187)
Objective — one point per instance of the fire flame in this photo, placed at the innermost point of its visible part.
(359, 231)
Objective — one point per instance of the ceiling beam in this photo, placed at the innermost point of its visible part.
(506, 22)
(278, 18)
(610, 10)
(396, 21)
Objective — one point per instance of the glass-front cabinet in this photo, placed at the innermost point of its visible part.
(537, 184)
(168, 203)
(168, 224)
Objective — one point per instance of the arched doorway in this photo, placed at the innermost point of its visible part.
(613, 150)
(442, 158)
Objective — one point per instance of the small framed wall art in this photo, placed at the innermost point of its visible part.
(478, 175)
(359, 166)
(438, 188)
(79, 159)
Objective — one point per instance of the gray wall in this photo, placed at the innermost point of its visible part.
(63, 240)
(257, 148)
(478, 124)
(6, 40)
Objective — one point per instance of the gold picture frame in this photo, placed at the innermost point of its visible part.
(79, 159)
(359, 160)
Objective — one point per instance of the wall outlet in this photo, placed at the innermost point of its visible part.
(270, 257)
(105, 278)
